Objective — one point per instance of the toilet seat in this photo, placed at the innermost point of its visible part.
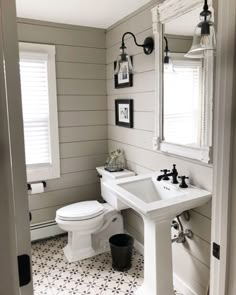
(80, 211)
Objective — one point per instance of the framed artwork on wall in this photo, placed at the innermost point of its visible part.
(123, 78)
(124, 112)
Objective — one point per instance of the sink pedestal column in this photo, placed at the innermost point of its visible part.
(158, 272)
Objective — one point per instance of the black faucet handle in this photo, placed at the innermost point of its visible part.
(183, 184)
(165, 171)
(165, 176)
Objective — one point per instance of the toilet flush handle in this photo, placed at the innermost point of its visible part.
(99, 175)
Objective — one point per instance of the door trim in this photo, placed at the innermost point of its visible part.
(223, 139)
(14, 212)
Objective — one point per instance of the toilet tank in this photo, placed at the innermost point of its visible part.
(107, 195)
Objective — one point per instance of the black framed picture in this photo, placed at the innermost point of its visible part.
(124, 112)
(123, 78)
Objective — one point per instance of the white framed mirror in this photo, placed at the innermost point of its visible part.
(184, 88)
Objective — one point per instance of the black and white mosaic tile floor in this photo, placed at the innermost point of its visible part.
(53, 275)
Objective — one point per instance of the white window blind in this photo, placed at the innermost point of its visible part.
(182, 103)
(34, 88)
(38, 90)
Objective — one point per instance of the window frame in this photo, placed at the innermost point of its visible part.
(39, 172)
(161, 14)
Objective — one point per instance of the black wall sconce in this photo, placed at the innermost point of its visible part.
(168, 65)
(204, 35)
(148, 46)
(167, 58)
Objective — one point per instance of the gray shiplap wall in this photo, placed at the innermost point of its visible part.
(192, 260)
(82, 106)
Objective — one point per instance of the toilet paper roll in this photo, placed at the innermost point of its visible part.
(37, 188)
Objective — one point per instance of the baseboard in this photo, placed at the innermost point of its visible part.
(44, 230)
(179, 284)
(182, 287)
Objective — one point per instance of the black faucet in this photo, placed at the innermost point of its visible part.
(165, 176)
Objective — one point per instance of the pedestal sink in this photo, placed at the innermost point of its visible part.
(158, 202)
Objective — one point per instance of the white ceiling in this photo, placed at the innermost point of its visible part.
(92, 13)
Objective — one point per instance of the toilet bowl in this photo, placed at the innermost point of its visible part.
(90, 224)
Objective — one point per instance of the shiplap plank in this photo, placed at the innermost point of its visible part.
(132, 219)
(81, 87)
(80, 54)
(137, 138)
(200, 225)
(72, 180)
(72, 134)
(86, 148)
(143, 102)
(137, 168)
(64, 196)
(62, 36)
(137, 235)
(44, 214)
(142, 120)
(82, 163)
(197, 248)
(190, 270)
(82, 118)
(80, 71)
(142, 63)
(138, 80)
(81, 103)
(205, 210)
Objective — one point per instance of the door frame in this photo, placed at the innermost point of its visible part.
(223, 140)
(14, 211)
(13, 178)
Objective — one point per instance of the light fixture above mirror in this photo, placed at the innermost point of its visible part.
(204, 35)
(123, 57)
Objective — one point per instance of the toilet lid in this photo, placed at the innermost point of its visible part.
(80, 211)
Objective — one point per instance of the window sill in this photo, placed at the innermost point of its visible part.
(39, 173)
(202, 154)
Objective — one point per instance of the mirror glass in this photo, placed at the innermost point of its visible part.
(183, 83)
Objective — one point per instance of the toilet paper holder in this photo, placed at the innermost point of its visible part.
(29, 185)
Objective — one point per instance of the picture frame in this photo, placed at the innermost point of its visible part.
(123, 78)
(124, 112)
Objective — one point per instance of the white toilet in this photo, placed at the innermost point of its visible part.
(90, 224)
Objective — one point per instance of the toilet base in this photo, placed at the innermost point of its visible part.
(73, 256)
(81, 246)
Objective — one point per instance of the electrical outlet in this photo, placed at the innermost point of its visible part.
(154, 143)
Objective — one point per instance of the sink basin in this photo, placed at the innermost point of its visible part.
(157, 199)
(158, 202)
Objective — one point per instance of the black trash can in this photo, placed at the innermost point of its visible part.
(121, 251)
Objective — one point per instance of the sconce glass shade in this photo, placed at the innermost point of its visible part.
(168, 64)
(202, 42)
(204, 36)
(122, 59)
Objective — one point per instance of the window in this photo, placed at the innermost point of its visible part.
(183, 103)
(39, 103)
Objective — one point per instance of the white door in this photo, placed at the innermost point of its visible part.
(14, 213)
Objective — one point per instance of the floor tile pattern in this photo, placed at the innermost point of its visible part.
(54, 275)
